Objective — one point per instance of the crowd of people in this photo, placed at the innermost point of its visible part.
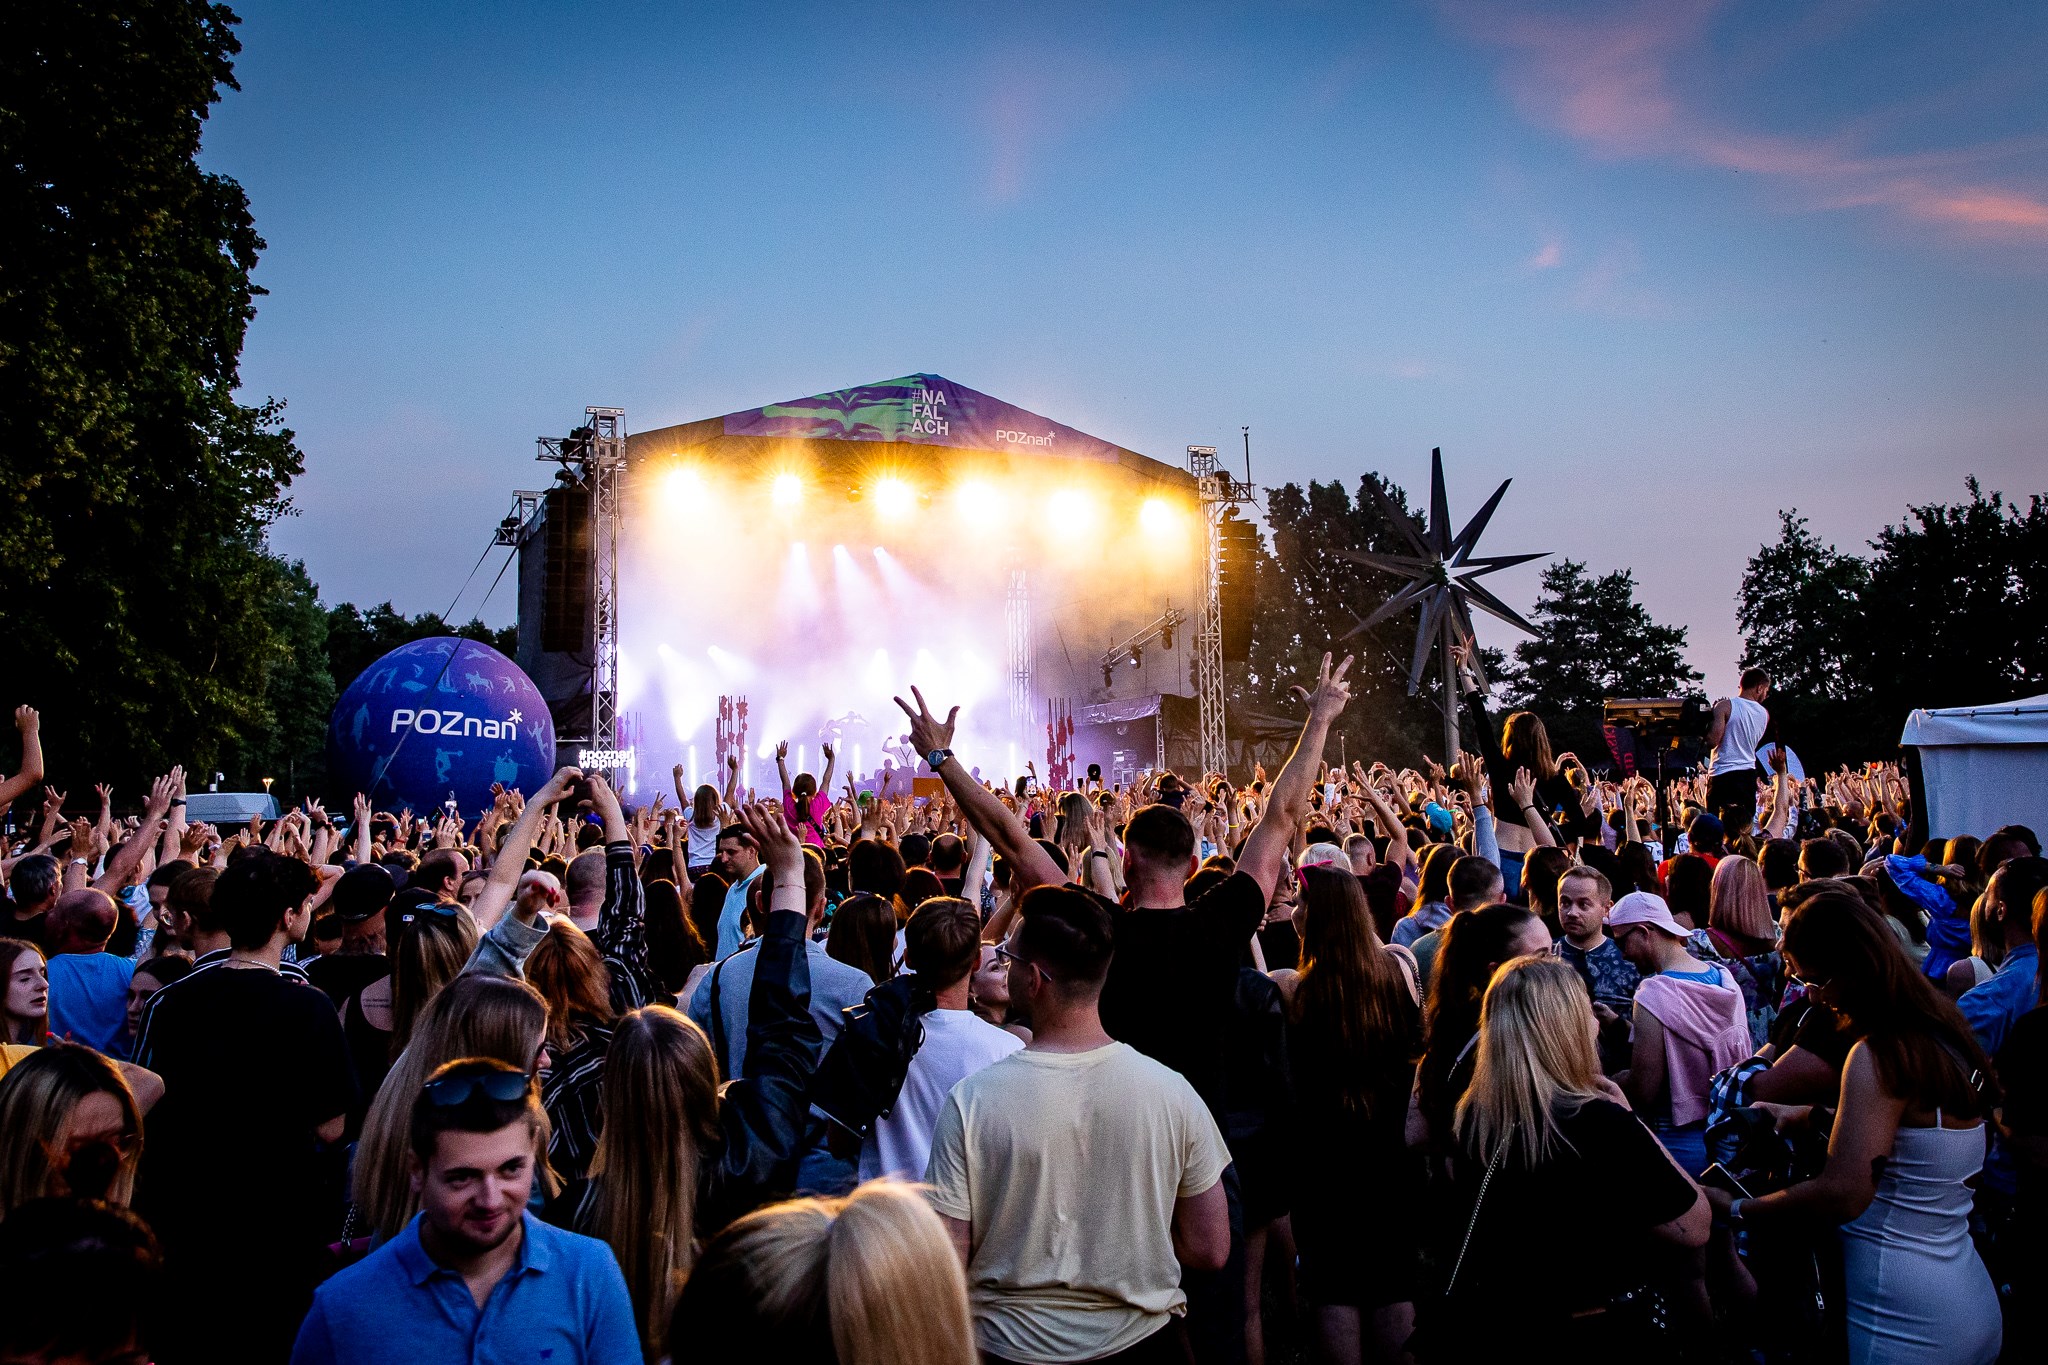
(1493, 1057)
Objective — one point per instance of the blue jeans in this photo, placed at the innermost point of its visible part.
(1511, 875)
(1687, 1145)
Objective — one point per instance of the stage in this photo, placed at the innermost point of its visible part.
(799, 564)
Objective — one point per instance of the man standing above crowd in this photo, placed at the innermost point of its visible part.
(1737, 728)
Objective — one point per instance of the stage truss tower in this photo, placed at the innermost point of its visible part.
(1219, 493)
(1017, 623)
(595, 455)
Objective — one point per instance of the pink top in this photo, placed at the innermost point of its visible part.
(812, 830)
(1705, 1030)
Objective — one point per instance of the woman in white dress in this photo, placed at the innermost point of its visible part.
(1907, 1137)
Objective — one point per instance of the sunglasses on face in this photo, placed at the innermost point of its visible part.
(502, 1086)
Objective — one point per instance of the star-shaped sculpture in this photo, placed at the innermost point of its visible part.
(1442, 574)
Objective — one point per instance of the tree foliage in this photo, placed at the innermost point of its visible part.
(1595, 641)
(1309, 599)
(142, 609)
(358, 637)
(1949, 609)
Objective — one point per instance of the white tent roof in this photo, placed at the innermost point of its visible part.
(2010, 722)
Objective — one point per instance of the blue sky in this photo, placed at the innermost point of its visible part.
(1671, 266)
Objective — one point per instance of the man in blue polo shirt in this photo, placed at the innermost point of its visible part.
(475, 1277)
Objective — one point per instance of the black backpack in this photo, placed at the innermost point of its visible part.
(863, 1073)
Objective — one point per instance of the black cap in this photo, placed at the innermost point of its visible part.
(362, 891)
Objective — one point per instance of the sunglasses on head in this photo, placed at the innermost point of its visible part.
(502, 1086)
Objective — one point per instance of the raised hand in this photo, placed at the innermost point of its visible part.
(928, 732)
(780, 848)
(160, 793)
(826, 750)
(782, 751)
(1523, 788)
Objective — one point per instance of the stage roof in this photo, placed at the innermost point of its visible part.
(916, 410)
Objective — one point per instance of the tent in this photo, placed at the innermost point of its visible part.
(1984, 766)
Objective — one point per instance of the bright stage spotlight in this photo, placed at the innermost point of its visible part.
(1156, 516)
(1072, 510)
(894, 498)
(788, 490)
(685, 484)
(977, 502)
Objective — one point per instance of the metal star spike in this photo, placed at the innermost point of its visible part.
(1442, 574)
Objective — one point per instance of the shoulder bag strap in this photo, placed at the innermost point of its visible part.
(1477, 1204)
(718, 1020)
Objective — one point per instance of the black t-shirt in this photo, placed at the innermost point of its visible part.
(29, 930)
(1590, 1208)
(252, 1064)
(1812, 1028)
(1174, 977)
(343, 975)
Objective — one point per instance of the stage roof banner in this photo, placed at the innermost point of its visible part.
(920, 409)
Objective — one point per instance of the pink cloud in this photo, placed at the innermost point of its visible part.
(1606, 79)
(1549, 256)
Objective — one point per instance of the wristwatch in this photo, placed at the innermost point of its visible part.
(937, 756)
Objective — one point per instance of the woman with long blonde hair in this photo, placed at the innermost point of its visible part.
(1549, 1148)
(861, 1280)
(473, 1016)
(676, 1160)
(69, 1125)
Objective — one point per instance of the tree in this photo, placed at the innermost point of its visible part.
(1949, 610)
(356, 638)
(1801, 608)
(1956, 612)
(1309, 599)
(1596, 641)
(142, 611)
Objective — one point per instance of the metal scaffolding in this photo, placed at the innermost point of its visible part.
(594, 455)
(1219, 493)
(1017, 623)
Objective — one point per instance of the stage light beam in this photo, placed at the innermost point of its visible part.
(787, 491)
(1156, 517)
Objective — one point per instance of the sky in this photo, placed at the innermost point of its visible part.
(1669, 266)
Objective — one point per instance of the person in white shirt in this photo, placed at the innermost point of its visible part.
(1737, 728)
(942, 944)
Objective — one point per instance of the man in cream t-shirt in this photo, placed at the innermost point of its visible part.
(1077, 1177)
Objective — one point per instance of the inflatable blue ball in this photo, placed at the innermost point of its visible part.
(441, 716)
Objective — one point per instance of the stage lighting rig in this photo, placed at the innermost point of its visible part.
(1133, 646)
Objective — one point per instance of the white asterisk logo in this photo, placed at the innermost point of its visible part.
(515, 717)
